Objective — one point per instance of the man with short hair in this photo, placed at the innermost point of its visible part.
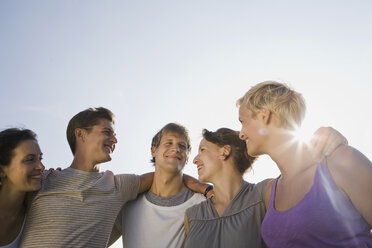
(78, 206)
(156, 218)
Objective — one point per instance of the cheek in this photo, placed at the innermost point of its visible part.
(20, 178)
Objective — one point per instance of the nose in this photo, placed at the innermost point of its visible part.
(40, 166)
(176, 147)
(196, 159)
(179, 148)
(114, 139)
(241, 135)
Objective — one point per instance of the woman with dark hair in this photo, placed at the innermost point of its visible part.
(20, 172)
(233, 216)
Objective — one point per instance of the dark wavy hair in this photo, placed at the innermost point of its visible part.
(9, 140)
(226, 136)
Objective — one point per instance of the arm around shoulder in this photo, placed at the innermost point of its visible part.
(197, 186)
(352, 172)
(146, 182)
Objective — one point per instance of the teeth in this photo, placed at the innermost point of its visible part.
(109, 148)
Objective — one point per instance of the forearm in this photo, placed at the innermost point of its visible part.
(146, 182)
(195, 185)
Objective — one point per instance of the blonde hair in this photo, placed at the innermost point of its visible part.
(288, 105)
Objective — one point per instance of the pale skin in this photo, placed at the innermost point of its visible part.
(22, 175)
(222, 173)
(170, 158)
(350, 169)
(216, 166)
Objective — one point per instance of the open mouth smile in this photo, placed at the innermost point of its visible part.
(110, 148)
(173, 157)
(36, 177)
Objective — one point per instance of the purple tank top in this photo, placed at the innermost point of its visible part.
(323, 218)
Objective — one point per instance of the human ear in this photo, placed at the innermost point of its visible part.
(80, 134)
(226, 151)
(265, 116)
(153, 151)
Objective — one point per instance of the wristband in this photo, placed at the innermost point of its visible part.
(209, 188)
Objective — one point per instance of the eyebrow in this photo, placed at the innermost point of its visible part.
(171, 139)
(32, 156)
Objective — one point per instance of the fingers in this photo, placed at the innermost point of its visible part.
(324, 141)
(53, 171)
(318, 143)
(335, 140)
(210, 193)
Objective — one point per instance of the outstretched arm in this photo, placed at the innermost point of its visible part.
(352, 172)
(145, 182)
(198, 187)
(324, 141)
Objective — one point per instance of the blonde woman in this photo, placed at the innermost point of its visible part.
(311, 204)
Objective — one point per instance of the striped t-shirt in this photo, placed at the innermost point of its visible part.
(77, 208)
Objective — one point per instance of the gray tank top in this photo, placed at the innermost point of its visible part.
(239, 225)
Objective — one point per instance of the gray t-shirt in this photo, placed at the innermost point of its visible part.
(239, 225)
(77, 208)
(175, 200)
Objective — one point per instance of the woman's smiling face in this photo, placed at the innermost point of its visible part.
(24, 172)
(208, 160)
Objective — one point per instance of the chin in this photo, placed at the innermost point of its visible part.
(202, 179)
(106, 159)
(252, 152)
(33, 187)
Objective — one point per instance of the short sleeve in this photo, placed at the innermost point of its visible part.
(128, 185)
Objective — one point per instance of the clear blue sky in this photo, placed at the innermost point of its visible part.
(154, 62)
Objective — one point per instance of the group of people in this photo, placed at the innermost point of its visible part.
(318, 200)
